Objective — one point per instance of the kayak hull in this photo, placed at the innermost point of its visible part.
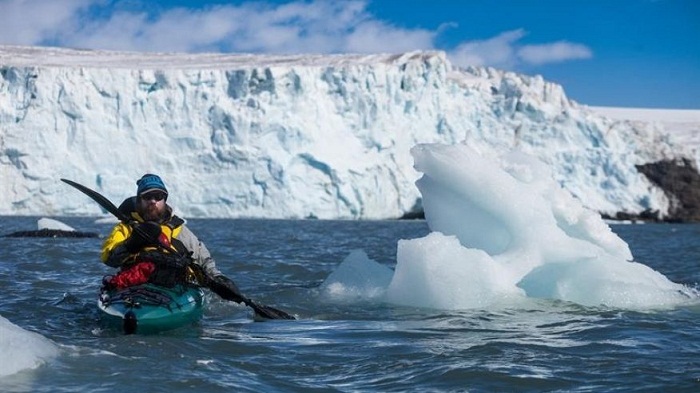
(150, 308)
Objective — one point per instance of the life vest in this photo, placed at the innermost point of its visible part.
(166, 265)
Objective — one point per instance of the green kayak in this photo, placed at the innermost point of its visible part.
(149, 308)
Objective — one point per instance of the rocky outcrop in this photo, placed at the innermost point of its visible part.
(680, 181)
(52, 233)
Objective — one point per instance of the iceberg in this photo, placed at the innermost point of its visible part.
(52, 224)
(22, 350)
(502, 231)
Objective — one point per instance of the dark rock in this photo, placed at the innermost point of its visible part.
(413, 215)
(645, 216)
(680, 181)
(51, 233)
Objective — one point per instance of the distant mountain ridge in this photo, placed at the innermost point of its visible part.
(297, 136)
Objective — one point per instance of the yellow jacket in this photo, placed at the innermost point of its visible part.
(181, 239)
(122, 231)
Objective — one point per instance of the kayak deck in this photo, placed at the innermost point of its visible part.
(150, 308)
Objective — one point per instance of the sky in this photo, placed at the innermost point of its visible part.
(620, 53)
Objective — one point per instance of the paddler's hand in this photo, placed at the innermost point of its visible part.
(143, 235)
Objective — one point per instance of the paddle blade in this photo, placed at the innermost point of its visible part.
(267, 312)
(99, 198)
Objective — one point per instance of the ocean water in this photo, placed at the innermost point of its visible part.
(50, 286)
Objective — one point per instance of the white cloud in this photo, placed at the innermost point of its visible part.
(498, 51)
(296, 27)
(29, 22)
(377, 37)
(504, 51)
(553, 53)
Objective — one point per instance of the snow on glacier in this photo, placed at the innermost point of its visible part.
(291, 136)
(683, 125)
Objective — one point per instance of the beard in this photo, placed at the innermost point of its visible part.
(153, 212)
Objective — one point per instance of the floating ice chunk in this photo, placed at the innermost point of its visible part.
(21, 349)
(49, 223)
(357, 277)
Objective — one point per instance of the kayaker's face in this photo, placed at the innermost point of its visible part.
(152, 205)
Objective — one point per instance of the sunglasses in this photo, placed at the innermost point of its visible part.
(153, 196)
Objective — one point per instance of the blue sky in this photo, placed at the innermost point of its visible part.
(628, 53)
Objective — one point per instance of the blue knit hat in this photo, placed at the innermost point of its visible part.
(150, 182)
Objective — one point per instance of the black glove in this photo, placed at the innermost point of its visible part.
(143, 235)
(225, 287)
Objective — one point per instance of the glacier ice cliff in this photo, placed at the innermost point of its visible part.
(293, 136)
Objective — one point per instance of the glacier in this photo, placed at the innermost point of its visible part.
(295, 136)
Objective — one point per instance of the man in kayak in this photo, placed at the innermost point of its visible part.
(156, 241)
